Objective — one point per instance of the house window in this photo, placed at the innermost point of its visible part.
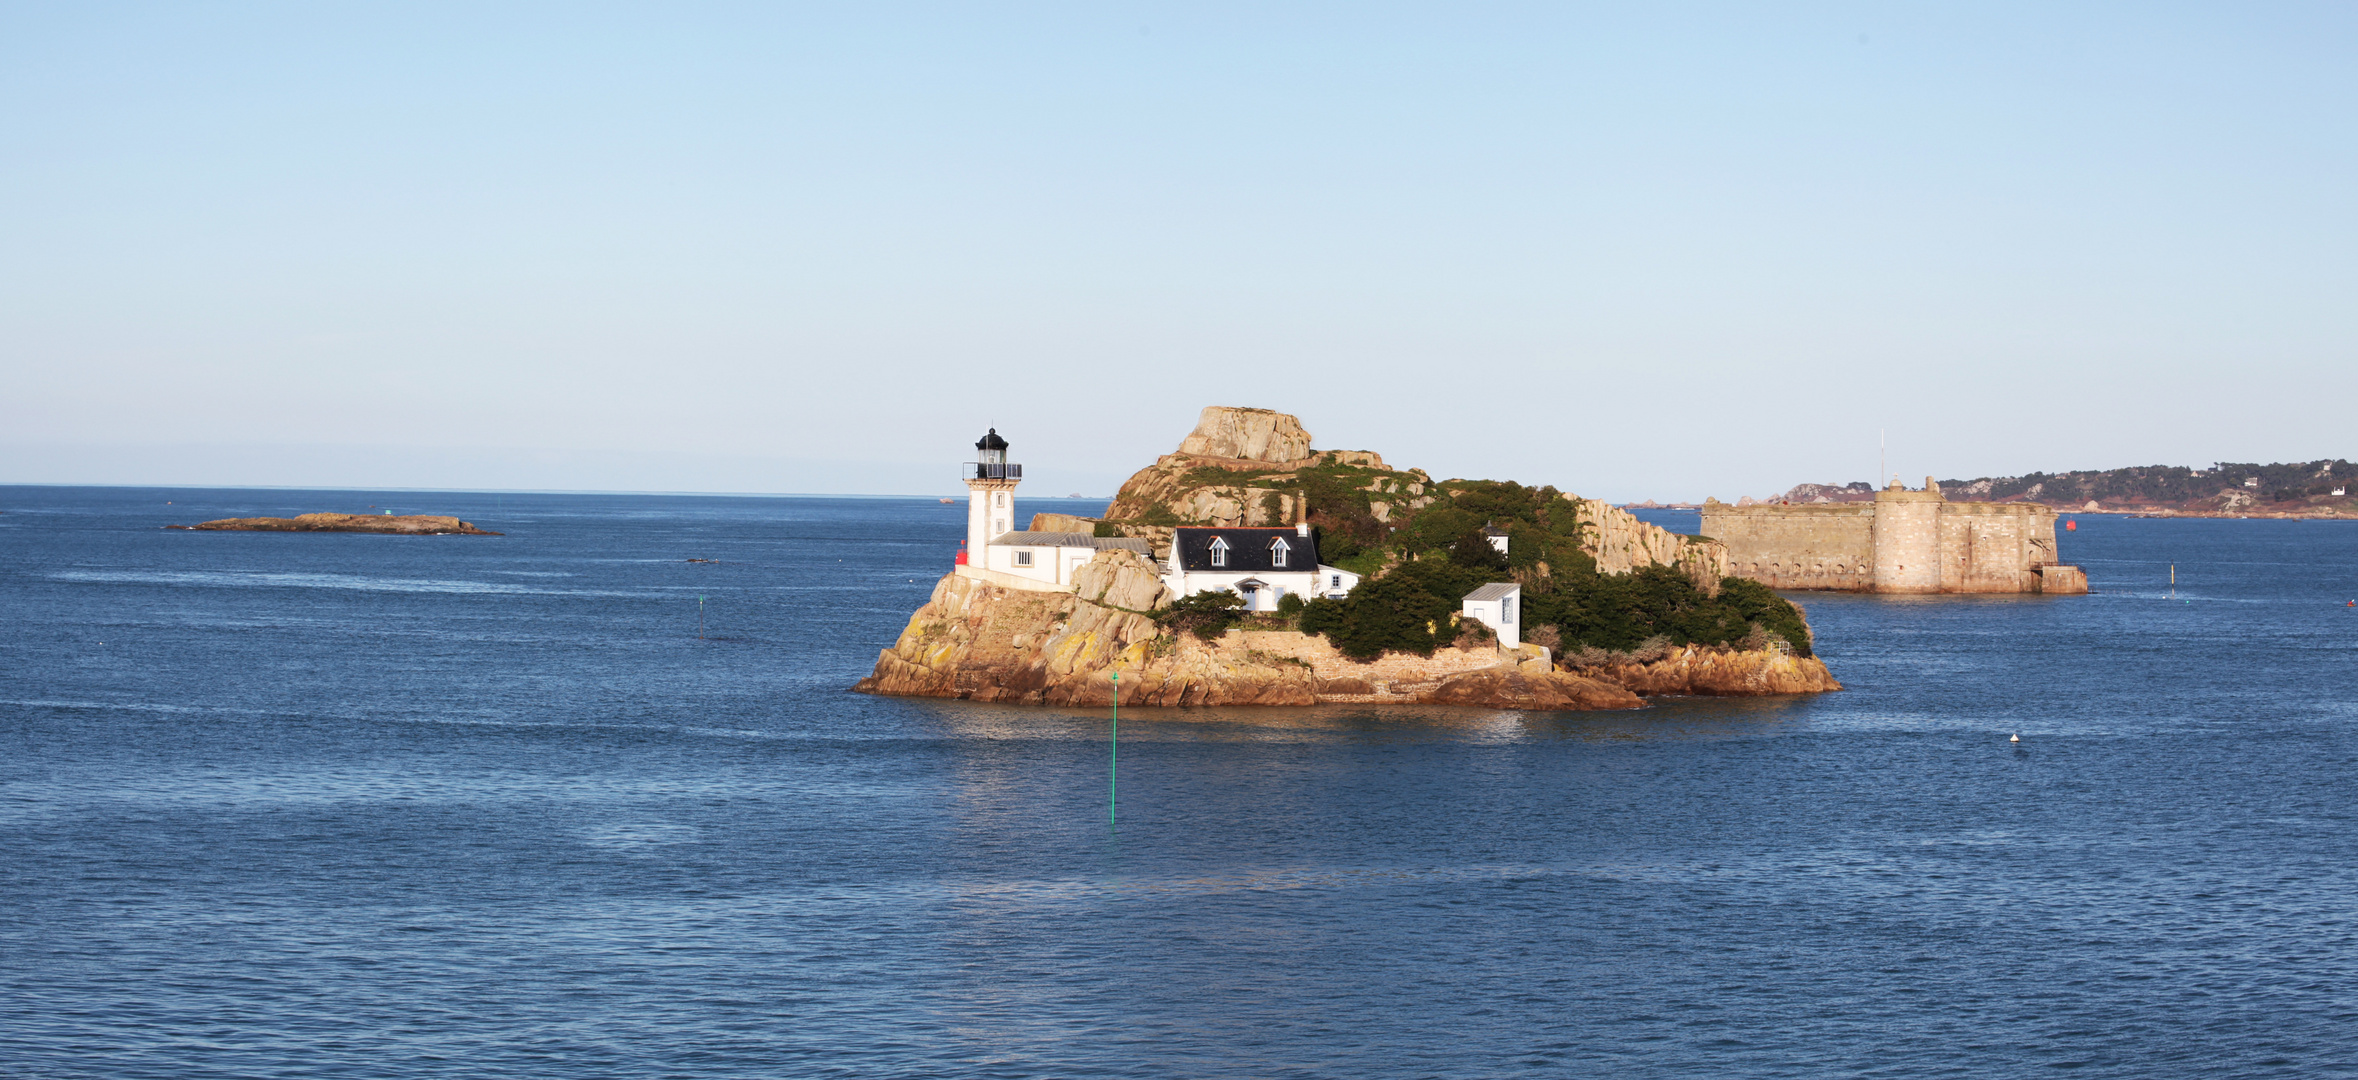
(1219, 552)
(1023, 558)
(1338, 582)
(1277, 550)
(1506, 610)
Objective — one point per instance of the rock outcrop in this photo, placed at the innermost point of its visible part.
(1223, 431)
(404, 524)
(1703, 671)
(1061, 523)
(1621, 543)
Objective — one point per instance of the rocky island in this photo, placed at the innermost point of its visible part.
(402, 524)
(1590, 608)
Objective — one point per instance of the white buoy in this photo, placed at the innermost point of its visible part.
(2013, 738)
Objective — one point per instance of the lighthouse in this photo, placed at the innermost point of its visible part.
(990, 501)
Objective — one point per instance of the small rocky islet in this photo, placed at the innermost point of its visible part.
(396, 524)
(1587, 567)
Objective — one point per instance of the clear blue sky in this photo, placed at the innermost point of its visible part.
(1632, 250)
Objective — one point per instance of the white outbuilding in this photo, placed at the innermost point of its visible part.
(1499, 607)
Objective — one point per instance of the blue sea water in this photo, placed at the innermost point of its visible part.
(367, 806)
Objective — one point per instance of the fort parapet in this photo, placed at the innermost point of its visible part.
(1904, 542)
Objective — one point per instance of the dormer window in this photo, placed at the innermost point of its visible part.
(1219, 551)
(1277, 550)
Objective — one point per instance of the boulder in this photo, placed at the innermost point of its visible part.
(1062, 523)
(1121, 579)
(1249, 434)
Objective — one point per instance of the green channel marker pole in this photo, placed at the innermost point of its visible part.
(1113, 765)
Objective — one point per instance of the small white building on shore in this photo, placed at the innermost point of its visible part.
(1499, 607)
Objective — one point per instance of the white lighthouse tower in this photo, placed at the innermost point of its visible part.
(990, 501)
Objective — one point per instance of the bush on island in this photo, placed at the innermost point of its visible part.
(1207, 615)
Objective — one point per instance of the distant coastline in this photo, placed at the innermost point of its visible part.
(2310, 490)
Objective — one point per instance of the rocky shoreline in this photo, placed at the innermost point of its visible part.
(397, 524)
(981, 641)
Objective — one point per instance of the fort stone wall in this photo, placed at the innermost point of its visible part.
(1903, 542)
(1805, 547)
(1995, 547)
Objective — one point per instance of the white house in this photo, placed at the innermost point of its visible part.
(1264, 565)
(1499, 607)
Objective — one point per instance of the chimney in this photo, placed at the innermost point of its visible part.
(1302, 529)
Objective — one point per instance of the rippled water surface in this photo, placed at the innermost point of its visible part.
(330, 806)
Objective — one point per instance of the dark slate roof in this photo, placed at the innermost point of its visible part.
(1072, 540)
(1248, 550)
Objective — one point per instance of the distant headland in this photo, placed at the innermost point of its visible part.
(399, 524)
(2301, 489)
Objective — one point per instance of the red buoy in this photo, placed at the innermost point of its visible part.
(2071, 526)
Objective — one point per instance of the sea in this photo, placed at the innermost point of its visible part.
(593, 798)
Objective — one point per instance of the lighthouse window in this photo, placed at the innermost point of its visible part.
(1002, 497)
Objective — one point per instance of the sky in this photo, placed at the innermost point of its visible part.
(1634, 251)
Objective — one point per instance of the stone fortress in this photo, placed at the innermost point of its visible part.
(1903, 542)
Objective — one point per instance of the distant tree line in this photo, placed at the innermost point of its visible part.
(2282, 482)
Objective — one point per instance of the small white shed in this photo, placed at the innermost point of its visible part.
(1500, 607)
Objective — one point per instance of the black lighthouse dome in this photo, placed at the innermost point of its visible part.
(991, 441)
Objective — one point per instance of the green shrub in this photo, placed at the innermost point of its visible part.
(1207, 615)
(1409, 609)
(1474, 551)
(1290, 605)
